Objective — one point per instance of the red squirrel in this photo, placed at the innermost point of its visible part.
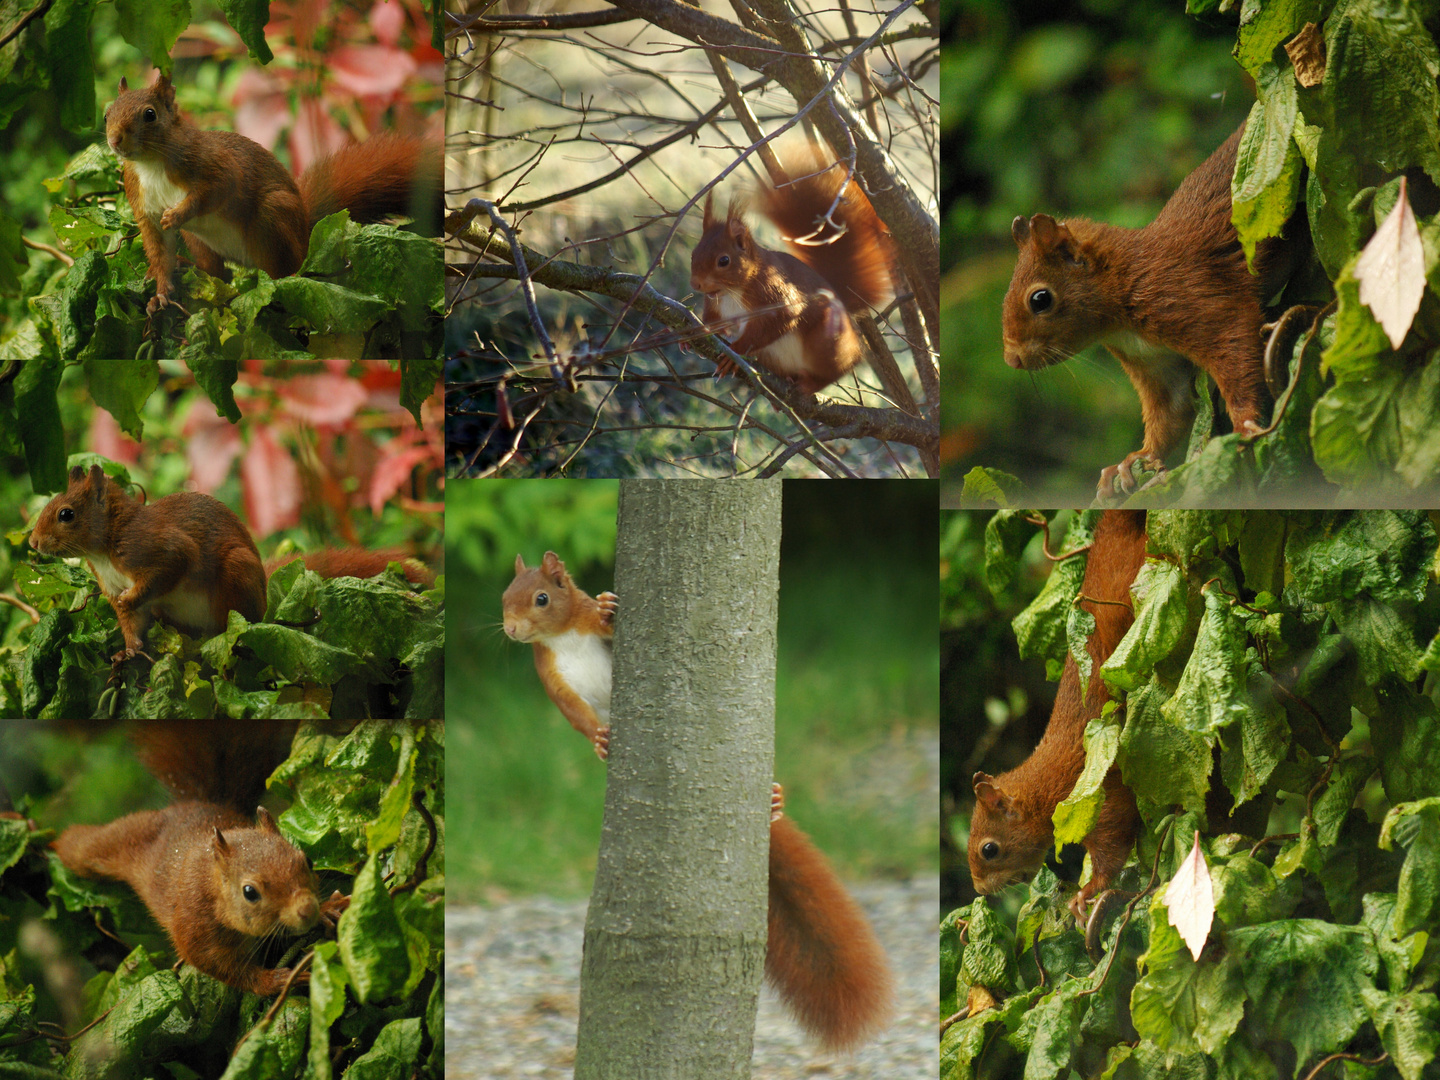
(1011, 831)
(821, 955)
(213, 870)
(1161, 298)
(803, 330)
(233, 200)
(186, 558)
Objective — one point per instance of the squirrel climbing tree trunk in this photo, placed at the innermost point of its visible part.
(676, 930)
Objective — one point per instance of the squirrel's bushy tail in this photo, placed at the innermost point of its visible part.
(822, 956)
(215, 761)
(858, 261)
(387, 174)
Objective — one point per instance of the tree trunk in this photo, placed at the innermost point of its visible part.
(675, 935)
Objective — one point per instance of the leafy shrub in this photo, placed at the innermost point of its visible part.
(1287, 661)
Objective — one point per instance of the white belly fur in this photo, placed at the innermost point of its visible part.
(185, 608)
(583, 661)
(785, 356)
(161, 193)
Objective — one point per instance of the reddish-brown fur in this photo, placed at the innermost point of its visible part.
(1179, 284)
(183, 543)
(237, 179)
(1013, 811)
(358, 563)
(822, 956)
(192, 862)
(806, 292)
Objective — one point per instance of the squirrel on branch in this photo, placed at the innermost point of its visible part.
(790, 310)
(821, 955)
(232, 199)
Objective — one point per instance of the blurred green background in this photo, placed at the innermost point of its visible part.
(856, 719)
(1087, 108)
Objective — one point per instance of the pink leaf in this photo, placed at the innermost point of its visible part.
(392, 472)
(322, 400)
(1191, 900)
(272, 485)
(1391, 271)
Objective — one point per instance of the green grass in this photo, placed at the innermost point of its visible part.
(856, 727)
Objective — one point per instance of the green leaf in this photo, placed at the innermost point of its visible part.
(153, 27)
(1400, 953)
(248, 19)
(1213, 690)
(1305, 980)
(1409, 1028)
(120, 387)
(1162, 762)
(1077, 814)
(273, 1049)
(1416, 825)
(1266, 186)
(990, 487)
(372, 942)
(1041, 627)
(394, 1055)
(1179, 1005)
(1378, 554)
(1162, 610)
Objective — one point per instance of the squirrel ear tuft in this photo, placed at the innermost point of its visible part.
(708, 217)
(222, 849)
(519, 564)
(1020, 229)
(1050, 235)
(123, 84)
(266, 821)
(553, 567)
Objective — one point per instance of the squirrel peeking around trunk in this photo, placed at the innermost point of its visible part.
(821, 955)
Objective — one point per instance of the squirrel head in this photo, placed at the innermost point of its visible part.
(77, 521)
(539, 601)
(263, 881)
(1006, 846)
(139, 119)
(1055, 305)
(725, 258)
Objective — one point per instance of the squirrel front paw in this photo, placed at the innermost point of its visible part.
(1119, 480)
(609, 604)
(331, 909)
(602, 741)
(777, 802)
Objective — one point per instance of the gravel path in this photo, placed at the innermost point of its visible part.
(512, 994)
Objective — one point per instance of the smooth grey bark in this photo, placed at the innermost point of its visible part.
(675, 934)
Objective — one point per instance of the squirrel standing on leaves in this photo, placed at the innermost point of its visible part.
(233, 200)
(185, 558)
(821, 955)
(1174, 294)
(1011, 831)
(213, 870)
(791, 310)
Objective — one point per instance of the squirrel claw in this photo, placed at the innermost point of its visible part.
(602, 742)
(609, 604)
(777, 802)
(331, 909)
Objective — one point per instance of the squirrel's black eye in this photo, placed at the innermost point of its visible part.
(251, 893)
(723, 261)
(149, 114)
(989, 849)
(66, 514)
(1041, 301)
(541, 599)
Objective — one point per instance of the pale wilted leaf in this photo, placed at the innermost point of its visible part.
(1307, 53)
(1191, 900)
(1391, 271)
